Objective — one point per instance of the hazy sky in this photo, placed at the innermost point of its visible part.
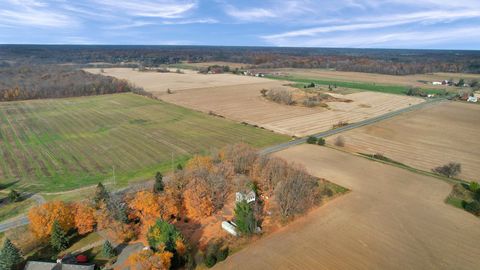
(438, 24)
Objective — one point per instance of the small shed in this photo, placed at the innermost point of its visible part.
(230, 227)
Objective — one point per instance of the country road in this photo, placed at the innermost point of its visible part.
(283, 146)
(23, 220)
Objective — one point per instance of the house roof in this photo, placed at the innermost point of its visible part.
(33, 265)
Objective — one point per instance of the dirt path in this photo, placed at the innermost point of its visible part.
(392, 219)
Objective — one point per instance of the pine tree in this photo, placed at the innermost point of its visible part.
(108, 250)
(58, 237)
(244, 218)
(101, 194)
(13, 196)
(158, 186)
(9, 255)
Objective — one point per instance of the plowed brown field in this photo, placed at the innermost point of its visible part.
(392, 219)
(426, 138)
(238, 98)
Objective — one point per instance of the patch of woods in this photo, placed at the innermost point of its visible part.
(303, 98)
(166, 216)
(22, 82)
(466, 196)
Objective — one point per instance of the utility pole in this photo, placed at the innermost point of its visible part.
(114, 180)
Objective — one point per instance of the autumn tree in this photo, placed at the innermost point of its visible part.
(163, 236)
(158, 186)
(43, 216)
(9, 255)
(297, 192)
(200, 162)
(84, 218)
(150, 260)
(101, 195)
(58, 237)
(197, 199)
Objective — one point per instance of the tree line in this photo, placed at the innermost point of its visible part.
(22, 82)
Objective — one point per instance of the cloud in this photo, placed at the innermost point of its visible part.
(250, 14)
(32, 13)
(161, 9)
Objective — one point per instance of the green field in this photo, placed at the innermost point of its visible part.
(374, 87)
(61, 144)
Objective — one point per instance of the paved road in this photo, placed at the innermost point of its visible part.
(283, 146)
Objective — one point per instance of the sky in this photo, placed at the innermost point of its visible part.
(410, 24)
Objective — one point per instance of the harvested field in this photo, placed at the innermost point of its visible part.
(425, 139)
(245, 104)
(392, 219)
(406, 80)
(159, 83)
(61, 144)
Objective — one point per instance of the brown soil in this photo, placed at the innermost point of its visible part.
(392, 219)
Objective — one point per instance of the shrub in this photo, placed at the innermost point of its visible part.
(473, 207)
(311, 140)
(14, 196)
(281, 96)
(449, 170)
(210, 260)
(222, 254)
(474, 186)
(321, 141)
(340, 141)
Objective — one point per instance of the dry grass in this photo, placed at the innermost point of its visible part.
(158, 83)
(407, 80)
(392, 219)
(425, 139)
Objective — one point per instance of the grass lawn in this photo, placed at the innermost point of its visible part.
(54, 145)
(374, 87)
(10, 210)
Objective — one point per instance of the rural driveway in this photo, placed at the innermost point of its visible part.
(392, 219)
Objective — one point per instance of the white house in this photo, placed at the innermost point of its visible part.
(249, 197)
(437, 83)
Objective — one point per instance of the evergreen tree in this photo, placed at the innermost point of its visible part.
(158, 186)
(244, 218)
(108, 250)
(101, 194)
(58, 237)
(9, 255)
(13, 196)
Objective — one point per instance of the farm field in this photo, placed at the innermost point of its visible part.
(424, 139)
(241, 100)
(392, 219)
(60, 144)
(159, 83)
(371, 78)
(245, 104)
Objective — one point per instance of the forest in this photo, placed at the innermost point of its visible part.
(22, 82)
(384, 61)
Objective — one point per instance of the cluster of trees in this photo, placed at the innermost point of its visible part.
(51, 81)
(473, 206)
(196, 192)
(395, 62)
(281, 96)
(315, 140)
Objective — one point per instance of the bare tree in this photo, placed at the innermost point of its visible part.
(340, 141)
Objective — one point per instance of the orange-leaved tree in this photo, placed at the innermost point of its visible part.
(43, 216)
(197, 199)
(149, 260)
(200, 162)
(84, 218)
